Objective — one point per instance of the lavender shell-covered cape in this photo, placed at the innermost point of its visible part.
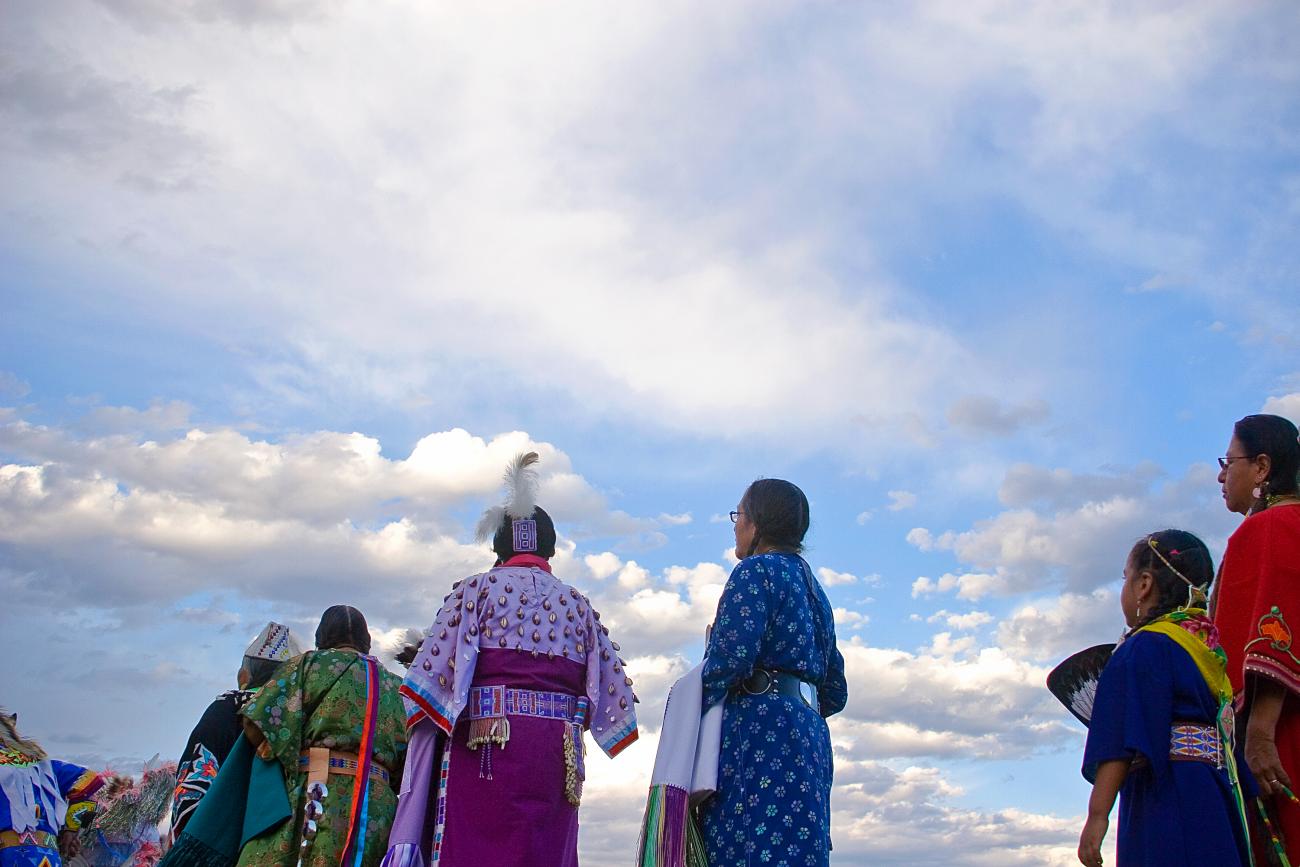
(525, 609)
(517, 607)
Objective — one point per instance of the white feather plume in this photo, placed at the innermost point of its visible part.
(521, 486)
(488, 524)
(521, 496)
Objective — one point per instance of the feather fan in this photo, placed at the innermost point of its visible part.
(1074, 681)
(521, 496)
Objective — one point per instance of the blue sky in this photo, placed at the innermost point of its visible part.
(284, 284)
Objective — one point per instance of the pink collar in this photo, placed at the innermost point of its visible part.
(529, 560)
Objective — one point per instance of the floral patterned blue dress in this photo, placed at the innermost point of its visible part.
(772, 806)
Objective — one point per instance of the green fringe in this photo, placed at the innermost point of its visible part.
(654, 808)
(648, 854)
(696, 856)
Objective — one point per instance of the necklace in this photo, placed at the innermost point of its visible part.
(1281, 500)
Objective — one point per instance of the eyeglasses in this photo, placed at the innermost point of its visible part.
(735, 515)
(1226, 460)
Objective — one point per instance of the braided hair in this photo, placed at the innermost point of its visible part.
(1182, 568)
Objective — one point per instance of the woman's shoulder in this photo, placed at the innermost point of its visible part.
(771, 562)
(1285, 518)
(1140, 647)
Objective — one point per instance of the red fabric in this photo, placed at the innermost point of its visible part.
(1258, 609)
(529, 560)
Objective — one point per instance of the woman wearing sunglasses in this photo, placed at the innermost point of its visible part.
(1257, 607)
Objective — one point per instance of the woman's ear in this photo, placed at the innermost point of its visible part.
(1264, 466)
(1145, 586)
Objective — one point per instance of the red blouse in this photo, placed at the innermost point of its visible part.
(1259, 598)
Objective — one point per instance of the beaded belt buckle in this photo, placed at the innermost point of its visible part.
(1195, 742)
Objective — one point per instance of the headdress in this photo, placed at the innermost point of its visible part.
(520, 505)
(275, 643)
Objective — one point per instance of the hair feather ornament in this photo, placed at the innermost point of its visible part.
(521, 496)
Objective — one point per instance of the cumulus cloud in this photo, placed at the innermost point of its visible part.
(951, 698)
(969, 585)
(1286, 405)
(158, 519)
(831, 578)
(900, 500)
(961, 622)
(1076, 538)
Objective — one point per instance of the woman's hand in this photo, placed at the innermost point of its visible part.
(1266, 699)
(1265, 764)
(1094, 832)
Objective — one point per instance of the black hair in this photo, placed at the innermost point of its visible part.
(1276, 437)
(259, 670)
(340, 625)
(1160, 554)
(779, 512)
(503, 543)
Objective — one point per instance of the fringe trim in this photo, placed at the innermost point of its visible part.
(488, 730)
(669, 835)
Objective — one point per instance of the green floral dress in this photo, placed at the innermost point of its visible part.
(330, 685)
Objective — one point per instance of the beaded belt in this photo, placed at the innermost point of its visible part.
(345, 764)
(490, 709)
(497, 701)
(1195, 742)
(43, 839)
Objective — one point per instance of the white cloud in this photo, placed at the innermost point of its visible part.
(1286, 405)
(969, 585)
(1051, 629)
(961, 622)
(863, 517)
(921, 538)
(603, 565)
(900, 500)
(831, 578)
(1080, 539)
(850, 619)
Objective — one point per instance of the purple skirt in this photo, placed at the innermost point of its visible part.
(505, 806)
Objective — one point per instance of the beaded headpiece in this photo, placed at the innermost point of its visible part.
(275, 643)
(1195, 593)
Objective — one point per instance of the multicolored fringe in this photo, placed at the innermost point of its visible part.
(669, 835)
(355, 849)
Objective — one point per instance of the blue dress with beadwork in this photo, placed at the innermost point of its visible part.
(1173, 812)
(772, 806)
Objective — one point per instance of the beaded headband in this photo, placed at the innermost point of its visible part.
(1193, 590)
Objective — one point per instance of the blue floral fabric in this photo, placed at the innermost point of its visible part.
(772, 806)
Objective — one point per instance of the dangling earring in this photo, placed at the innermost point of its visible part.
(1138, 614)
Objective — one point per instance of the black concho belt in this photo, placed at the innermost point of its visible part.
(782, 683)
